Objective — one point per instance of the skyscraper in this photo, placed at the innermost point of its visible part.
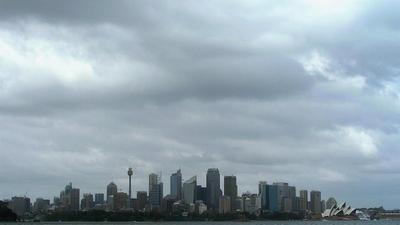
(286, 194)
(189, 190)
(176, 185)
(315, 198)
(261, 184)
(99, 199)
(75, 197)
(213, 189)
(264, 195)
(112, 189)
(201, 194)
(273, 205)
(153, 180)
(87, 202)
(304, 200)
(70, 198)
(155, 191)
(230, 190)
(141, 197)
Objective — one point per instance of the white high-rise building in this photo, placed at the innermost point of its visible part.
(189, 190)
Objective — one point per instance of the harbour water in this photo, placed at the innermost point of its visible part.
(357, 222)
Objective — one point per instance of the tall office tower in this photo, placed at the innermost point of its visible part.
(99, 199)
(130, 173)
(87, 202)
(230, 190)
(263, 193)
(189, 190)
(112, 189)
(304, 200)
(286, 193)
(273, 195)
(201, 194)
(315, 198)
(155, 191)
(176, 185)
(261, 184)
(141, 197)
(213, 189)
(70, 198)
(297, 207)
(153, 180)
(75, 199)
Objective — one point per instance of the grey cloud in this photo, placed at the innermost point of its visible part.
(88, 89)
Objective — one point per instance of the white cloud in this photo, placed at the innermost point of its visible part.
(318, 65)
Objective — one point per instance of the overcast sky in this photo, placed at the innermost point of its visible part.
(305, 92)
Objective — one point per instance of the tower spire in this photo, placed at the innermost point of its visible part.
(130, 173)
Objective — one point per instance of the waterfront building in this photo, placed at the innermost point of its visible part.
(110, 202)
(120, 201)
(315, 197)
(273, 195)
(296, 206)
(200, 207)
(141, 198)
(225, 204)
(287, 205)
(176, 185)
(342, 210)
(20, 205)
(87, 201)
(41, 205)
(304, 200)
(201, 193)
(230, 190)
(251, 203)
(189, 190)
(99, 199)
(167, 204)
(213, 189)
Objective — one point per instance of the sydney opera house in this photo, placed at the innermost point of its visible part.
(340, 211)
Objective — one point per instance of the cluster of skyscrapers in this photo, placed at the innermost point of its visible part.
(185, 197)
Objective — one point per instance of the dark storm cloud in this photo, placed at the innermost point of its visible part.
(303, 92)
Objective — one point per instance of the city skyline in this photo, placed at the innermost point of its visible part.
(298, 91)
(113, 189)
(271, 197)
